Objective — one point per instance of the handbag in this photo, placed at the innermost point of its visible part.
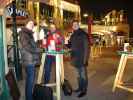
(41, 92)
(13, 87)
(67, 88)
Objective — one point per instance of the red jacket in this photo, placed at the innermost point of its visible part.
(57, 38)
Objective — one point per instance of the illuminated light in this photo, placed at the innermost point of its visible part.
(55, 3)
(85, 15)
(70, 7)
(114, 28)
(66, 6)
(98, 33)
(37, 15)
(61, 6)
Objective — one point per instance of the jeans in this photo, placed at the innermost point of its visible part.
(30, 76)
(47, 68)
(82, 78)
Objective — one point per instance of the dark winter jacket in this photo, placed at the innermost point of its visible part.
(80, 48)
(28, 47)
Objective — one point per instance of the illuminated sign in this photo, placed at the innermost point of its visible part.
(19, 12)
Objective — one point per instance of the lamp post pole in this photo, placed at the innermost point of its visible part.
(15, 43)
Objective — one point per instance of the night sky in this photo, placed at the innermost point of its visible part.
(102, 4)
(98, 7)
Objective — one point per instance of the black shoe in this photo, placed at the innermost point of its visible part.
(77, 90)
(81, 94)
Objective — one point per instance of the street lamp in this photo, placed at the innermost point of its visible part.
(85, 15)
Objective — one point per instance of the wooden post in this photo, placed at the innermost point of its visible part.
(58, 66)
(120, 72)
(59, 73)
(41, 69)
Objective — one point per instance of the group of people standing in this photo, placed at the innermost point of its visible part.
(30, 53)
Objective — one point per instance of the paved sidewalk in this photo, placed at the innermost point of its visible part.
(101, 74)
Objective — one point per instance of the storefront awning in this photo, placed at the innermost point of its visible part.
(64, 5)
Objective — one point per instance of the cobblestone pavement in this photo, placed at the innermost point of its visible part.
(101, 75)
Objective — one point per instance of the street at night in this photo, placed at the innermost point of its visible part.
(66, 50)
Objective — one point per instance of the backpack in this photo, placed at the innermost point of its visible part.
(13, 87)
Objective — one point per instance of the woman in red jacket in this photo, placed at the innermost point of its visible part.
(54, 42)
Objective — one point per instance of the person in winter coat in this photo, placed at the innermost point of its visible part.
(30, 56)
(80, 53)
(54, 42)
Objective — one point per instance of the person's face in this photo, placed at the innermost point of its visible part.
(30, 25)
(52, 28)
(44, 23)
(75, 26)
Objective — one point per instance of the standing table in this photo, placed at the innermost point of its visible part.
(120, 72)
(59, 71)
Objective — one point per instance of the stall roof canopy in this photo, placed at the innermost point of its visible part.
(64, 5)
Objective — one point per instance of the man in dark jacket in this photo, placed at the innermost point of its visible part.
(80, 54)
(30, 56)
